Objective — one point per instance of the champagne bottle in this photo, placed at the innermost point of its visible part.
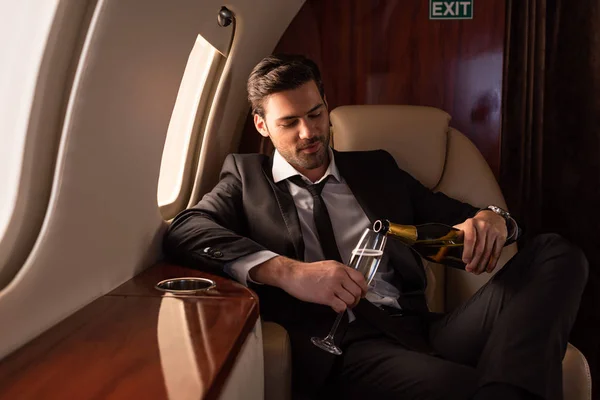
(435, 242)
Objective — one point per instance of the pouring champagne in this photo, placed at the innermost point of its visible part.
(365, 258)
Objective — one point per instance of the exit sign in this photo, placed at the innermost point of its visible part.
(450, 9)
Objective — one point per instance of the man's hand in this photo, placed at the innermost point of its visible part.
(485, 235)
(324, 282)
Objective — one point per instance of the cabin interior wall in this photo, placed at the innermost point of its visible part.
(102, 225)
(390, 52)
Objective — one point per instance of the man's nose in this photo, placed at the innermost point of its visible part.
(307, 130)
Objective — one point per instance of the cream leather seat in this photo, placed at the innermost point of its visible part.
(443, 159)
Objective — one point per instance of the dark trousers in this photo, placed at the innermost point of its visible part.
(514, 330)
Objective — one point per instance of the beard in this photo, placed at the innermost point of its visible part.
(299, 159)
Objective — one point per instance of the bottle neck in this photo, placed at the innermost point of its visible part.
(406, 233)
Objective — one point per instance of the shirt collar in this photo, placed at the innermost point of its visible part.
(283, 170)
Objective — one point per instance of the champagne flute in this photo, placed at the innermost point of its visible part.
(365, 259)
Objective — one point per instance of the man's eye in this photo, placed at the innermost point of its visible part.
(317, 115)
(291, 124)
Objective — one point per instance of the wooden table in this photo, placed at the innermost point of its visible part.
(137, 343)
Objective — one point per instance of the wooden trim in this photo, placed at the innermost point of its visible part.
(137, 342)
(143, 284)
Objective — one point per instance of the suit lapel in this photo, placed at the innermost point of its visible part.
(357, 184)
(287, 208)
(367, 192)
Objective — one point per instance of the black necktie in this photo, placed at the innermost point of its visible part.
(365, 308)
(321, 218)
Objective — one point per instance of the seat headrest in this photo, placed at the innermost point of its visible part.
(415, 136)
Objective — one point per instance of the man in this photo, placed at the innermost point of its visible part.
(266, 225)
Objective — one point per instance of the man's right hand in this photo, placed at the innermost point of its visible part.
(324, 282)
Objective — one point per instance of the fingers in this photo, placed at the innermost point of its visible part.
(354, 290)
(338, 305)
(348, 289)
(498, 245)
(344, 295)
(478, 254)
(328, 282)
(485, 256)
(470, 237)
(482, 245)
(358, 279)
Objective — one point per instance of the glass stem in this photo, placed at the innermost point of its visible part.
(329, 337)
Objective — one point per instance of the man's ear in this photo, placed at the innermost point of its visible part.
(261, 125)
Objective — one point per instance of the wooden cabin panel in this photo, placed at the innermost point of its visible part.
(137, 343)
(390, 52)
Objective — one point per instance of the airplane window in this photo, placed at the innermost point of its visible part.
(186, 127)
(28, 125)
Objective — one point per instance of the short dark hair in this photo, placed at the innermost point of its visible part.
(277, 73)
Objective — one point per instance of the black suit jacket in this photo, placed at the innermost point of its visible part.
(247, 212)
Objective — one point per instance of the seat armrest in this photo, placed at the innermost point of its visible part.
(278, 362)
(577, 381)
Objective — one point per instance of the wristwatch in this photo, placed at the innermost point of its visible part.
(511, 224)
(503, 213)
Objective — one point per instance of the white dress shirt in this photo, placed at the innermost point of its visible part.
(347, 219)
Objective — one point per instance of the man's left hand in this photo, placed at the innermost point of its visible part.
(485, 235)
